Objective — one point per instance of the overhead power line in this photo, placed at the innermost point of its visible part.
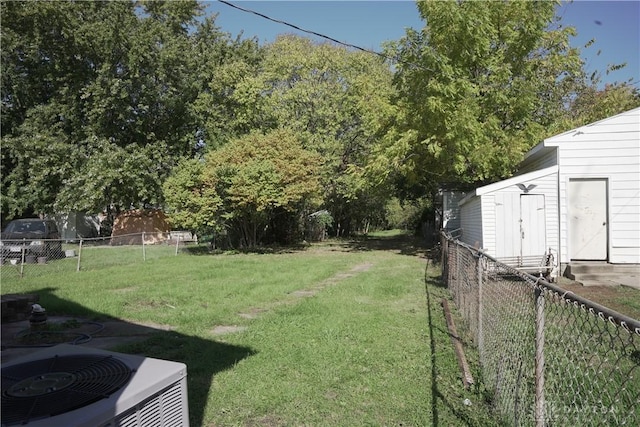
(323, 36)
(278, 21)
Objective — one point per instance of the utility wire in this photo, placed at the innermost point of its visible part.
(278, 21)
(380, 54)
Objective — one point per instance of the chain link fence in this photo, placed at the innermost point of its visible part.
(34, 258)
(548, 357)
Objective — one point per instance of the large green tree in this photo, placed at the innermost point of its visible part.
(44, 68)
(338, 101)
(479, 85)
(245, 187)
(222, 64)
(592, 104)
(190, 203)
(98, 100)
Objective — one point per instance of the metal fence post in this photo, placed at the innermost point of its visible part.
(144, 252)
(457, 294)
(22, 260)
(444, 261)
(177, 243)
(79, 255)
(539, 345)
(480, 332)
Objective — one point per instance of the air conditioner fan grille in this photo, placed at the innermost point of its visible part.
(59, 384)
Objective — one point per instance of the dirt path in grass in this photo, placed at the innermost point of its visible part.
(296, 296)
(406, 245)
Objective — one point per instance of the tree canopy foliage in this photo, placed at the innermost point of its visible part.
(592, 104)
(97, 100)
(246, 186)
(338, 102)
(480, 84)
(113, 105)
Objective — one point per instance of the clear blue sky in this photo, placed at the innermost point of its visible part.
(615, 26)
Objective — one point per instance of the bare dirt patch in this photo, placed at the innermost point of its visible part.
(253, 313)
(304, 293)
(362, 267)
(144, 326)
(227, 329)
(125, 290)
(341, 276)
(622, 299)
(265, 421)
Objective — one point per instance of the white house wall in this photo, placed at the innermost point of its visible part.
(609, 150)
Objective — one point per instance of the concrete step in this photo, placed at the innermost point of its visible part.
(604, 274)
(601, 280)
(574, 270)
(631, 281)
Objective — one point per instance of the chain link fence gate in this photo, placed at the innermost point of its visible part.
(548, 356)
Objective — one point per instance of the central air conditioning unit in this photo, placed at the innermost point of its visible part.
(71, 386)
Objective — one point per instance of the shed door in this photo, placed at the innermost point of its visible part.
(588, 219)
(533, 228)
(507, 227)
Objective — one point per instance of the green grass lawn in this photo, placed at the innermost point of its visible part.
(343, 333)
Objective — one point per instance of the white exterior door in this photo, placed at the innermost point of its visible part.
(588, 219)
(507, 225)
(533, 230)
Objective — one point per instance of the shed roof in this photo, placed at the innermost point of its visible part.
(554, 141)
(509, 182)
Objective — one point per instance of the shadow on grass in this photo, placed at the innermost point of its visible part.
(260, 250)
(443, 385)
(404, 244)
(204, 358)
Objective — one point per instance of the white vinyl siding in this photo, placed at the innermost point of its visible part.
(492, 217)
(546, 157)
(506, 209)
(471, 222)
(607, 150)
(507, 235)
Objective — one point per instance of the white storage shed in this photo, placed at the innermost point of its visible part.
(577, 193)
(516, 217)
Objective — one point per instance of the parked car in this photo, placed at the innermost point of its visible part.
(33, 237)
